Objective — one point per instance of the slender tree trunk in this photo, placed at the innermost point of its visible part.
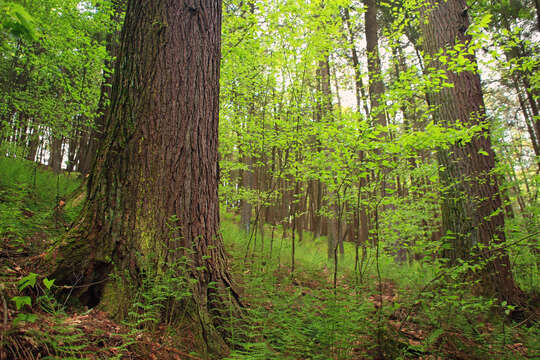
(361, 232)
(247, 184)
(153, 189)
(537, 4)
(326, 93)
(529, 123)
(74, 142)
(514, 179)
(95, 135)
(376, 84)
(33, 144)
(55, 153)
(471, 207)
(41, 147)
(23, 130)
(314, 205)
(524, 75)
(302, 217)
(360, 92)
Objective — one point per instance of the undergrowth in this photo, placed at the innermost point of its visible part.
(33, 200)
(418, 309)
(407, 310)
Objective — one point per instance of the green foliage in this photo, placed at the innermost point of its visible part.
(46, 301)
(300, 316)
(61, 339)
(28, 280)
(16, 22)
(29, 200)
(20, 301)
(51, 70)
(163, 295)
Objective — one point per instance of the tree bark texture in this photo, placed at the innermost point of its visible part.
(471, 206)
(33, 143)
(153, 189)
(376, 84)
(55, 153)
(537, 5)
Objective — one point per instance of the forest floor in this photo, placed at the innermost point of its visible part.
(387, 314)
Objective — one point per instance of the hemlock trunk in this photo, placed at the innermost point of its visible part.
(154, 186)
(472, 212)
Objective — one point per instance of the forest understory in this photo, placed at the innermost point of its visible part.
(403, 313)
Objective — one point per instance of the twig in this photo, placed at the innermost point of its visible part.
(81, 286)
(4, 303)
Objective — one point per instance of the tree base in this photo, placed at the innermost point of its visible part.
(92, 281)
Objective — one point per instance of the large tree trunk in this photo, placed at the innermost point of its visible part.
(154, 188)
(471, 205)
(376, 96)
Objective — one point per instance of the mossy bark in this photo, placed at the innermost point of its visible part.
(152, 191)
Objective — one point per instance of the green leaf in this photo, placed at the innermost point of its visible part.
(18, 21)
(29, 318)
(435, 335)
(48, 283)
(20, 301)
(28, 280)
